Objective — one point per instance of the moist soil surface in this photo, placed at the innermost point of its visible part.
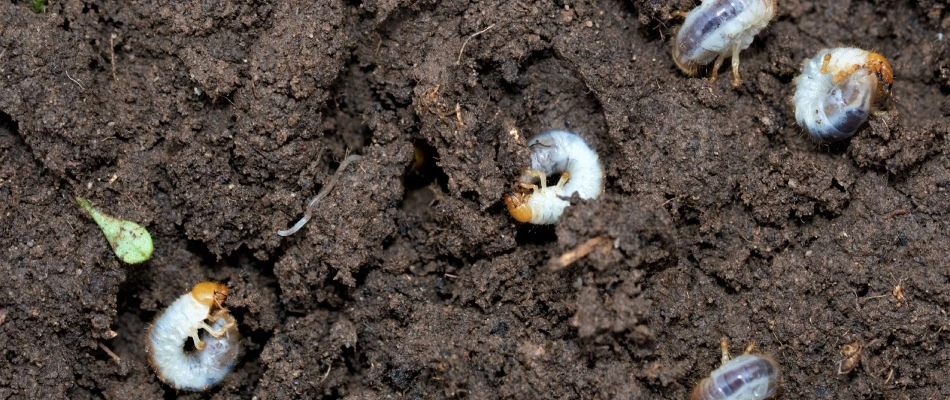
(212, 124)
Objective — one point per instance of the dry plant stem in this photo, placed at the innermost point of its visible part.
(568, 258)
(323, 193)
(115, 357)
(112, 54)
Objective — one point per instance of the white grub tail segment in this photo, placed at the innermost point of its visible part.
(552, 153)
(718, 29)
(838, 89)
(747, 377)
(217, 346)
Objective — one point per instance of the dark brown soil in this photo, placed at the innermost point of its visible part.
(212, 124)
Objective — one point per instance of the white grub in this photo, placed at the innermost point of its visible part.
(555, 152)
(747, 377)
(718, 29)
(216, 344)
(837, 90)
(312, 204)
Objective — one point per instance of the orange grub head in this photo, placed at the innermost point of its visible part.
(879, 65)
(209, 293)
(518, 207)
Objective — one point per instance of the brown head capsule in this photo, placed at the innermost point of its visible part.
(208, 293)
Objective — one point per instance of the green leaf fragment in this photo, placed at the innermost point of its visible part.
(39, 6)
(130, 241)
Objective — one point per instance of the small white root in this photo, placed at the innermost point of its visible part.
(323, 193)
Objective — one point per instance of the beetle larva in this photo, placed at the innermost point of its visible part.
(837, 90)
(552, 153)
(718, 29)
(217, 346)
(747, 377)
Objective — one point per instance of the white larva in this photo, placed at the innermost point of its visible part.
(837, 90)
(747, 377)
(555, 152)
(718, 29)
(217, 346)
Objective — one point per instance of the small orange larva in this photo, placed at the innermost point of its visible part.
(216, 344)
(852, 356)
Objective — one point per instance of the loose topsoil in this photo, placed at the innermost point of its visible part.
(212, 123)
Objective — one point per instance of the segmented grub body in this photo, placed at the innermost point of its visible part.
(838, 89)
(555, 152)
(747, 377)
(216, 343)
(718, 29)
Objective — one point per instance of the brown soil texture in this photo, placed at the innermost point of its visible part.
(212, 123)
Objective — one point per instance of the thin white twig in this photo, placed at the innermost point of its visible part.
(323, 192)
(112, 54)
(115, 357)
(462, 50)
(74, 81)
(328, 372)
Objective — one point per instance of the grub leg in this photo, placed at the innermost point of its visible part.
(563, 180)
(735, 66)
(543, 177)
(724, 347)
(714, 74)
